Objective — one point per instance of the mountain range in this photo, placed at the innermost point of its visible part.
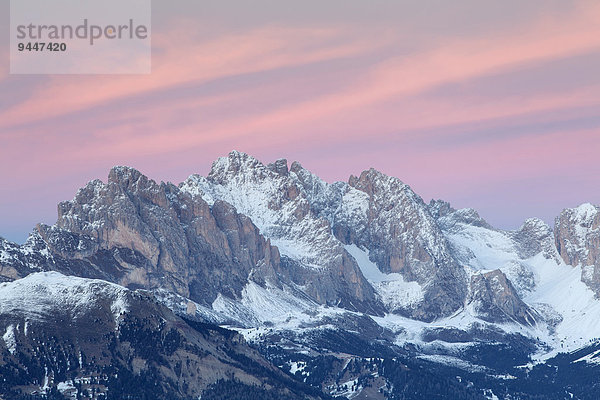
(263, 280)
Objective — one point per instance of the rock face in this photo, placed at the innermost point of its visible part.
(494, 299)
(384, 216)
(137, 233)
(311, 221)
(534, 237)
(402, 236)
(577, 235)
(89, 338)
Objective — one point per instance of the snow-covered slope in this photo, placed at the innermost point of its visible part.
(40, 294)
(92, 339)
(568, 310)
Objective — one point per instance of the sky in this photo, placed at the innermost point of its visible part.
(486, 104)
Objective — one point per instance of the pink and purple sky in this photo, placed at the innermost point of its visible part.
(493, 105)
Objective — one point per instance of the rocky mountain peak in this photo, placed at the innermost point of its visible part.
(440, 208)
(585, 213)
(124, 175)
(533, 237)
(279, 166)
(467, 216)
(296, 166)
(384, 216)
(138, 233)
(237, 164)
(536, 228)
(577, 236)
(281, 204)
(373, 181)
(576, 231)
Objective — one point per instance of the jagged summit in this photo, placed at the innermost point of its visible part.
(440, 208)
(120, 173)
(280, 166)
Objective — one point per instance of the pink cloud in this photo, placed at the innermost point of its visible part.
(178, 61)
(455, 61)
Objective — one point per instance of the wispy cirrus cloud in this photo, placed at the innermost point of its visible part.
(179, 60)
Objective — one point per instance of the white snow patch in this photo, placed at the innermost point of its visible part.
(259, 305)
(119, 306)
(395, 292)
(591, 358)
(46, 380)
(349, 389)
(272, 304)
(453, 361)
(296, 366)
(585, 212)
(10, 339)
(4, 256)
(297, 250)
(491, 249)
(67, 388)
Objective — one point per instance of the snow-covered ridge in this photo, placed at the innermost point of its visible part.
(585, 213)
(40, 294)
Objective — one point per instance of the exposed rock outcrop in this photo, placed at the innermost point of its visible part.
(138, 233)
(493, 298)
(383, 215)
(577, 235)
